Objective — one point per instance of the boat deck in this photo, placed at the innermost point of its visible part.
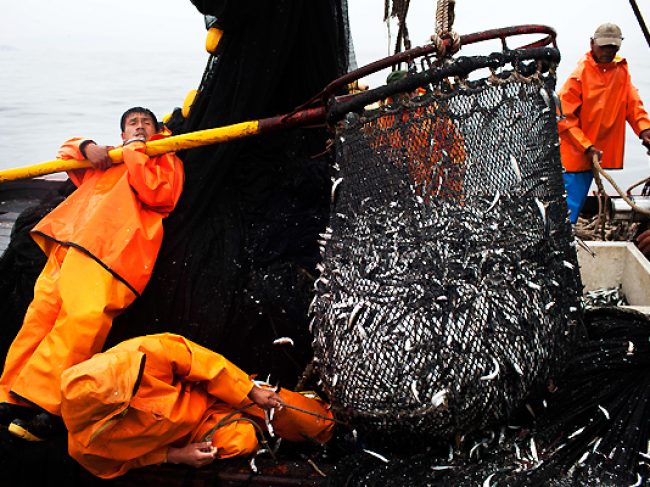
(16, 196)
(47, 463)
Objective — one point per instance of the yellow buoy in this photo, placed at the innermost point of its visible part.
(212, 39)
(187, 103)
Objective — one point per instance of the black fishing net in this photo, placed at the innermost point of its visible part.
(449, 284)
(589, 428)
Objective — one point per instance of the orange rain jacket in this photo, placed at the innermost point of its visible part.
(123, 408)
(597, 99)
(432, 146)
(115, 216)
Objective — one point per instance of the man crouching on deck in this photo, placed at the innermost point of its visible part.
(162, 398)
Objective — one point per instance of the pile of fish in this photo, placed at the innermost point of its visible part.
(437, 315)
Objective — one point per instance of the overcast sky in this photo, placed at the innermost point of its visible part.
(136, 28)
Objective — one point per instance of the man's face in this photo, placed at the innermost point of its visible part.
(138, 125)
(603, 54)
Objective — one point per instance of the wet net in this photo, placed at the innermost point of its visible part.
(449, 285)
(589, 429)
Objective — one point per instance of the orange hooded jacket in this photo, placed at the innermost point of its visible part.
(123, 408)
(597, 99)
(431, 146)
(115, 216)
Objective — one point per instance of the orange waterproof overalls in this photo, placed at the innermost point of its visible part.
(125, 407)
(101, 243)
(432, 147)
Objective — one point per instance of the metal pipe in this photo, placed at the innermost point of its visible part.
(639, 18)
(620, 210)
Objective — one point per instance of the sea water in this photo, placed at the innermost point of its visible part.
(49, 95)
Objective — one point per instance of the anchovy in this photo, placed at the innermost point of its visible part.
(515, 168)
(439, 398)
(335, 185)
(475, 447)
(639, 481)
(376, 455)
(269, 426)
(494, 373)
(596, 445)
(533, 450)
(494, 202)
(530, 410)
(581, 460)
(604, 411)
(558, 106)
(488, 481)
(414, 390)
(542, 210)
(576, 432)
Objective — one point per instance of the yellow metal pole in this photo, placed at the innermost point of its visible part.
(154, 148)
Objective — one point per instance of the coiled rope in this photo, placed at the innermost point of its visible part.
(602, 195)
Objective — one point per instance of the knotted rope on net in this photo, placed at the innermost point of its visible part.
(449, 284)
(444, 21)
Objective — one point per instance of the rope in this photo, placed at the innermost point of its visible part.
(598, 171)
(637, 184)
(602, 196)
(399, 10)
(311, 413)
(227, 419)
(444, 21)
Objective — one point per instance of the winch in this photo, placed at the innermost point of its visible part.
(620, 209)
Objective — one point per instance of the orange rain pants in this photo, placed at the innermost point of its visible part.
(125, 407)
(62, 326)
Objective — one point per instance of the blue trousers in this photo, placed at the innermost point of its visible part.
(577, 186)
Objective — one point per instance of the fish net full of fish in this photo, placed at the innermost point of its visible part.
(449, 284)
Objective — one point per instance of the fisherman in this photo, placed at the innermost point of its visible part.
(101, 244)
(435, 148)
(597, 99)
(162, 398)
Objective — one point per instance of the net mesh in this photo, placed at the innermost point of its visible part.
(449, 282)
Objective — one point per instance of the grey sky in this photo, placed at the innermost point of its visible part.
(145, 25)
(83, 29)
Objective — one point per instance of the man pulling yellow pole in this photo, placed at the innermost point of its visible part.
(176, 143)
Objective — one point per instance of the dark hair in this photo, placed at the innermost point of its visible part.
(137, 110)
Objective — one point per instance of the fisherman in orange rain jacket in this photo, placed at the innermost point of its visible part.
(429, 145)
(162, 398)
(101, 243)
(597, 99)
